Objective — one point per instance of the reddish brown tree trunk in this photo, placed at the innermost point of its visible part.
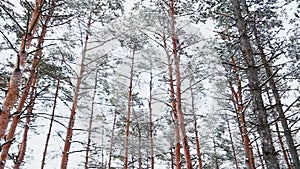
(239, 105)
(186, 148)
(51, 124)
(67, 146)
(196, 128)
(16, 116)
(15, 79)
(173, 104)
(23, 145)
(128, 112)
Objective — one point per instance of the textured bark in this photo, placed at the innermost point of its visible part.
(16, 116)
(259, 155)
(276, 95)
(91, 123)
(263, 126)
(150, 118)
(23, 145)
(68, 140)
(173, 106)
(239, 109)
(129, 105)
(196, 128)
(51, 124)
(16, 77)
(186, 148)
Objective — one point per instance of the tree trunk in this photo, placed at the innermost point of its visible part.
(112, 141)
(16, 77)
(67, 146)
(140, 147)
(173, 104)
(150, 118)
(51, 124)
(90, 123)
(23, 145)
(129, 112)
(178, 89)
(196, 128)
(16, 116)
(263, 127)
(237, 99)
(282, 118)
(232, 144)
(259, 155)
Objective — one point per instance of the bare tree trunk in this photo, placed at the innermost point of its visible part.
(196, 128)
(128, 112)
(23, 145)
(255, 89)
(16, 116)
(150, 118)
(186, 148)
(282, 118)
(171, 156)
(51, 124)
(67, 146)
(112, 141)
(90, 123)
(15, 79)
(173, 104)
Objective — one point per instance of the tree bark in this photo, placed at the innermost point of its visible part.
(15, 79)
(253, 80)
(237, 99)
(16, 116)
(23, 145)
(173, 106)
(68, 140)
(178, 89)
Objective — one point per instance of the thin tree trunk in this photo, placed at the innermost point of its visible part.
(67, 146)
(16, 77)
(51, 124)
(171, 156)
(284, 152)
(16, 116)
(259, 155)
(186, 148)
(215, 155)
(232, 144)
(173, 104)
(128, 112)
(282, 118)
(239, 104)
(140, 147)
(150, 118)
(262, 118)
(196, 128)
(23, 145)
(90, 123)
(112, 141)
